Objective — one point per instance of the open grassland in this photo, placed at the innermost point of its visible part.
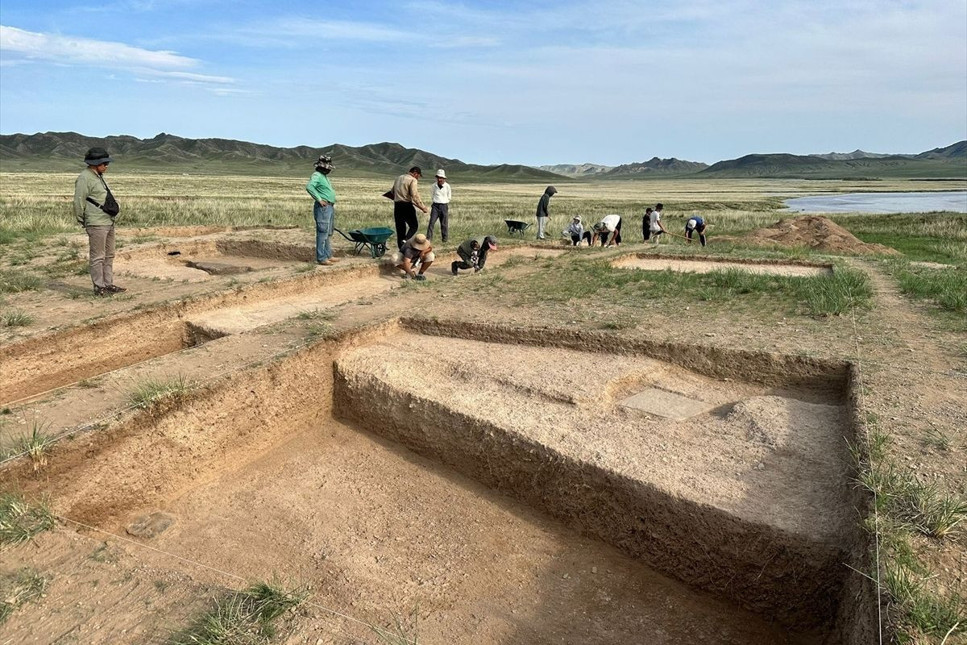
(35, 204)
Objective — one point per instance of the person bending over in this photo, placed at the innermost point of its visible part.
(695, 223)
(608, 230)
(473, 254)
(416, 250)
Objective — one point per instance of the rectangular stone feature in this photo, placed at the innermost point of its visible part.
(666, 404)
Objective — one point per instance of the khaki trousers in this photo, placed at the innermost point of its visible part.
(102, 255)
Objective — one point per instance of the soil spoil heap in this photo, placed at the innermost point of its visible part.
(816, 233)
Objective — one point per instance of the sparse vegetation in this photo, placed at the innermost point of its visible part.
(153, 392)
(16, 318)
(20, 520)
(402, 630)
(18, 280)
(35, 445)
(242, 618)
(19, 588)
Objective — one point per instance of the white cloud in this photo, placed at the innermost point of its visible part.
(67, 49)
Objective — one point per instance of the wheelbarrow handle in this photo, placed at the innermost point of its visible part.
(343, 234)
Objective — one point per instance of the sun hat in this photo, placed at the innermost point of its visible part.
(419, 242)
(441, 173)
(324, 161)
(576, 218)
(491, 241)
(97, 156)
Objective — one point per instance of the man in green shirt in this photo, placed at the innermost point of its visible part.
(323, 210)
(95, 210)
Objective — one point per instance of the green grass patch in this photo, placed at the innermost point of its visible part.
(945, 288)
(927, 237)
(580, 280)
(242, 618)
(19, 588)
(918, 506)
(16, 318)
(21, 520)
(918, 614)
(19, 280)
(154, 392)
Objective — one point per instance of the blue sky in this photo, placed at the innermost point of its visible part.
(497, 82)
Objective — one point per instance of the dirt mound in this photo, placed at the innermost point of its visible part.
(817, 233)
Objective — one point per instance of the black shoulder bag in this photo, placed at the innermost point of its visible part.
(110, 205)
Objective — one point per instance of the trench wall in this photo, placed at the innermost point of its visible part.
(792, 579)
(62, 357)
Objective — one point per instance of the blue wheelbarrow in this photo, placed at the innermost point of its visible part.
(373, 239)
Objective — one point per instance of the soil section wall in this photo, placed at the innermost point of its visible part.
(785, 564)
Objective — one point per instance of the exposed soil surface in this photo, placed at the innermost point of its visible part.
(259, 478)
(651, 263)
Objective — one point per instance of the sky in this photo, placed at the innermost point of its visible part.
(497, 82)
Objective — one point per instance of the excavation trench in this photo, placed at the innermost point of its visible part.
(709, 264)
(724, 470)
(48, 361)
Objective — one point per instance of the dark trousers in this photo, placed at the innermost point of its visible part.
(576, 239)
(441, 212)
(404, 213)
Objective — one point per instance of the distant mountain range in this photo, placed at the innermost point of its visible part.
(652, 168)
(941, 163)
(64, 151)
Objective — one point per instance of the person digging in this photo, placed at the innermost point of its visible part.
(416, 250)
(473, 254)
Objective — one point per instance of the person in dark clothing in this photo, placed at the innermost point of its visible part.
(542, 212)
(405, 199)
(473, 254)
(646, 225)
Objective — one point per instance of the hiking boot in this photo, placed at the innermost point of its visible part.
(333, 260)
(115, 289)
(100, 292)
(325, 263)
(420, 277)
(453, 268)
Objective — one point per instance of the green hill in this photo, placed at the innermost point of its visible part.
(64, 151)
(940, 163)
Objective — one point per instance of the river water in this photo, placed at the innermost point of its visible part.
(955, 201)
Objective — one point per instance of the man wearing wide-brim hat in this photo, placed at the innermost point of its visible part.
(416, 250)
(96, 209)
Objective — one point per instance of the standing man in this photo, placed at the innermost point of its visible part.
(655, 227)
(695, 223)
(440, 206)
(406, 197)
(95, 209)
(542, 213)
(323, 210)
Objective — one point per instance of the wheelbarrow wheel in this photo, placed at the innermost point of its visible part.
(379, 249)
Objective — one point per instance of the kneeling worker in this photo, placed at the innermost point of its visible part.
(416, 250)
(609, 230)
(473, 254)
(695, 223)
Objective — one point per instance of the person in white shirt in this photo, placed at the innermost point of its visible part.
(440, 208)
(608, 229)
(655, 227)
